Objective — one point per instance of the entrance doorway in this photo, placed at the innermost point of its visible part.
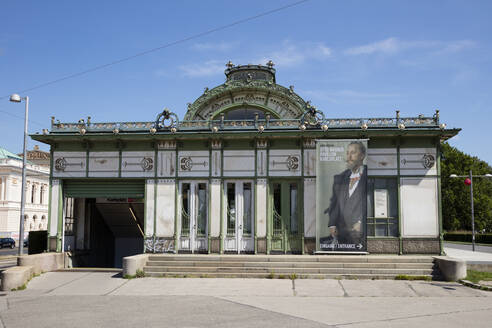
(285, 217)
(239, 216)
(194, 216)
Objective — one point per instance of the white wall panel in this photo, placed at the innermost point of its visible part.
(239, 163)
(215, 208)
(382, 161)
(261, 161)
(310, 162)
(149, 208)
(216, 163)
(69, 164)
(193, 163)
(165, 208)
(55, 194)
(166, 163)
(261, 207)
(284, 162)
(310, 207)
(418, 161)
(137, 163)
(419, 207)
(104, 164)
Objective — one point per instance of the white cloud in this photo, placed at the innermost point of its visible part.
(394, 45)
(292, 54)
(209, 68)
(220, 46)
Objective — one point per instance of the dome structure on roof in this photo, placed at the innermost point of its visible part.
(249, 91)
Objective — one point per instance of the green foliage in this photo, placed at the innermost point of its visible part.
(22, 287)
(407, 277)
(476, 276)
(140, 274)
(456, 210)
(480, 238)
(293, 276)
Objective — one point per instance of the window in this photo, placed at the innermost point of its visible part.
(33, 194)
(41, 195)
(69, 216)
(244, 114)
(382, 207)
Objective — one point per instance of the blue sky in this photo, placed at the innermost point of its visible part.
(350, 58)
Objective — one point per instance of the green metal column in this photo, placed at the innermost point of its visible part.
(439, 196)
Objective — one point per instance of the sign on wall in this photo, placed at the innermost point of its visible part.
(341, 195)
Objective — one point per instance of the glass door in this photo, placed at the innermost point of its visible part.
(285, 227)
(194, 215)
(239, 216)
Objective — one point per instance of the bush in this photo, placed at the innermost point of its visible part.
(483, 238)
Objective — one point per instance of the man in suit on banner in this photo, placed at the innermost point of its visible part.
(348, 203)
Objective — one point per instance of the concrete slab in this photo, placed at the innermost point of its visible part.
(205, 286)
(318, 288)
(378, 312)
(377, 288)
(468, 256)
(93, 283)
(446, 289)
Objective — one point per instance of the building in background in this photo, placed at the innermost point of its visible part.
(37, 192)
(238, 175)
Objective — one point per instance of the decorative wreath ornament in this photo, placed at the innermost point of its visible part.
(166, 120)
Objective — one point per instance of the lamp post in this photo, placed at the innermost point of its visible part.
(16, 98)
(469, 182)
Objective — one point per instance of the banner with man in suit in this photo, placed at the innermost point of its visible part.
(341, 195)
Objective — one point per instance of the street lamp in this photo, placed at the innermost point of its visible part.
(16, 98)
(469, 182)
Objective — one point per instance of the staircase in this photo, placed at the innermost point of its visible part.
(289, 266)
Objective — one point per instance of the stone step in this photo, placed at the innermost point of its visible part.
(291, 264)
(154, 269)
(186, 274)
(293, 258)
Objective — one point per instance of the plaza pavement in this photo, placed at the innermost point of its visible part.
(104, 299)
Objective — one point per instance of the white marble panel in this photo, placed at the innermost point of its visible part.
(69, 164)
(418, 161)
(239, 163)
(419, 207)
(261, 207)
(310, 162)
(215, 208)
(310, 207)
(149, 207)
(284, 162)
(261, 160)
(104, 164)
(165, 208)
(166, 163)
(54, 206)
(193, 163)
(382, 161)
(138, 164)
(216, 163)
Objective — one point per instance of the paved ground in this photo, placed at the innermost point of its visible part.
(88, 299)
(482, 254)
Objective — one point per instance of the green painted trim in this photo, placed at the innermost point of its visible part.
(60, 227)
(176, 241)
(119, 162)
(255, 182)
(209, 215)
(301, 199)
(221, 244)
(87, 162)
(255, 242)
(50, 203)
(439, 197)
(400, 238)
(145, 216)
(155, 215)
(269, 207)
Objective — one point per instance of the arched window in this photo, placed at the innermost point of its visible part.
(245, 113)
(33, 194)
(34, 218)
(41, 195)
(43, 218)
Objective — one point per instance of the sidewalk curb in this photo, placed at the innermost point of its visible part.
(474, 285)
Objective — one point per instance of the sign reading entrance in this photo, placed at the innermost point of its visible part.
(341, 195)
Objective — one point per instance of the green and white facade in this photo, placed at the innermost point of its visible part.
(236, 175)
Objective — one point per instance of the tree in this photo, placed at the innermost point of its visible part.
(456, 210)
